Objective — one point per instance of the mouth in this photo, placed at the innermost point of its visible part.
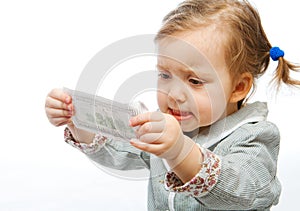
(180, 115)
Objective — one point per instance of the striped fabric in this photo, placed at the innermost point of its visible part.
(247, 146)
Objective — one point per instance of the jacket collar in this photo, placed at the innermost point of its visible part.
(250, 113)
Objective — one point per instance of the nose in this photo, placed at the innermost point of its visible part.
(177, 93)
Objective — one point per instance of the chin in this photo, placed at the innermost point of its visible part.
(193, 128)
(188, 129)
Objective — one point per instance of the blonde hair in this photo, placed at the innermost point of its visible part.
(247, 48)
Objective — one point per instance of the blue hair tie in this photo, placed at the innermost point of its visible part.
(276, 53)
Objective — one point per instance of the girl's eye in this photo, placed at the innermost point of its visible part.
(163, 75)
(194, 81)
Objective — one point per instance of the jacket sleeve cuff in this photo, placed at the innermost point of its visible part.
(202, 183)
(95, 146)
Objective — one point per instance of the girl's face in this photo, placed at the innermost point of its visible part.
(194, 84)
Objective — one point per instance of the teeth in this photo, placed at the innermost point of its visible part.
(181, 113)
(176, 112)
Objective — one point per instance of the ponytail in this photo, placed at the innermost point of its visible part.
(282, 73)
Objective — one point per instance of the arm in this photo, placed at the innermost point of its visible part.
(59, 110)
(160, 134)
(109, 153)
(192, 160)
(247, 177)
(240, 174)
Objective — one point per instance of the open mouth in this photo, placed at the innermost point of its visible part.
(181, 115)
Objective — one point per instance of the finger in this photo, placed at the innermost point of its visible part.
(146, 117)
(54, 113)
(150, 127)
(60, 95)
(151, 148)
(54, 103)
(60, 121)
(150, 138)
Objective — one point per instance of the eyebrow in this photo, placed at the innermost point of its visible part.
(161, 67)
(189, 71)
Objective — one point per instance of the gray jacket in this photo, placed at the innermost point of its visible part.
(248, 147)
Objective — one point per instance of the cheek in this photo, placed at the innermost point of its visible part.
(211, 105)
(162, 101)
(219, 102)
(204, 109)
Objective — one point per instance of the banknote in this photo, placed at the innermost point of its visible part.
(101, 115)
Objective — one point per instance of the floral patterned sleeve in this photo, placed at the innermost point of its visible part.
(202, 183)
(96, 145)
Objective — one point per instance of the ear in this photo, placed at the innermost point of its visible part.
(242, 87)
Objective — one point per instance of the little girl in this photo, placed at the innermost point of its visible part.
(206, 149)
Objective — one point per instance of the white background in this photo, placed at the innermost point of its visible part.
(46, 44)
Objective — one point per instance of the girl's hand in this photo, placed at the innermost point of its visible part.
(161, 135)
(59, 110)
(58, 107)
